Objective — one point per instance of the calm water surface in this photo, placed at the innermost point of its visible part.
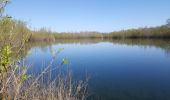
(117, 71)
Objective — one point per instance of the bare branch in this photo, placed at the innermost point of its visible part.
(3, 4)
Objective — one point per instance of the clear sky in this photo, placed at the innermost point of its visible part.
(90, 15)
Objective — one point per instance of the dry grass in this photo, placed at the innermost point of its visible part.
(16, 85)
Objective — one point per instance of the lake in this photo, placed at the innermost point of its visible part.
(117, 69)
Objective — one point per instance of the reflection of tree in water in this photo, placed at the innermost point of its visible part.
(164, 44)
(167, 50)
(45, 49)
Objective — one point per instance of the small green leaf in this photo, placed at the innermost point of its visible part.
(24, 77)
(23, 67)
(65, 61)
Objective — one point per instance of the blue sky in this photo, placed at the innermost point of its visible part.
(90, 15)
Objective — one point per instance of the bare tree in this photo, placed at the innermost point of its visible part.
(3, 4)
(168, 23)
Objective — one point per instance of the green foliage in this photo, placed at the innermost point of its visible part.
(65, 61)
(24, 75)
(5, 58)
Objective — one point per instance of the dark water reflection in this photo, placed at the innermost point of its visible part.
(118, 69)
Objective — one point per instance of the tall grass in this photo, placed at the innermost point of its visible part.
(17, 85)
